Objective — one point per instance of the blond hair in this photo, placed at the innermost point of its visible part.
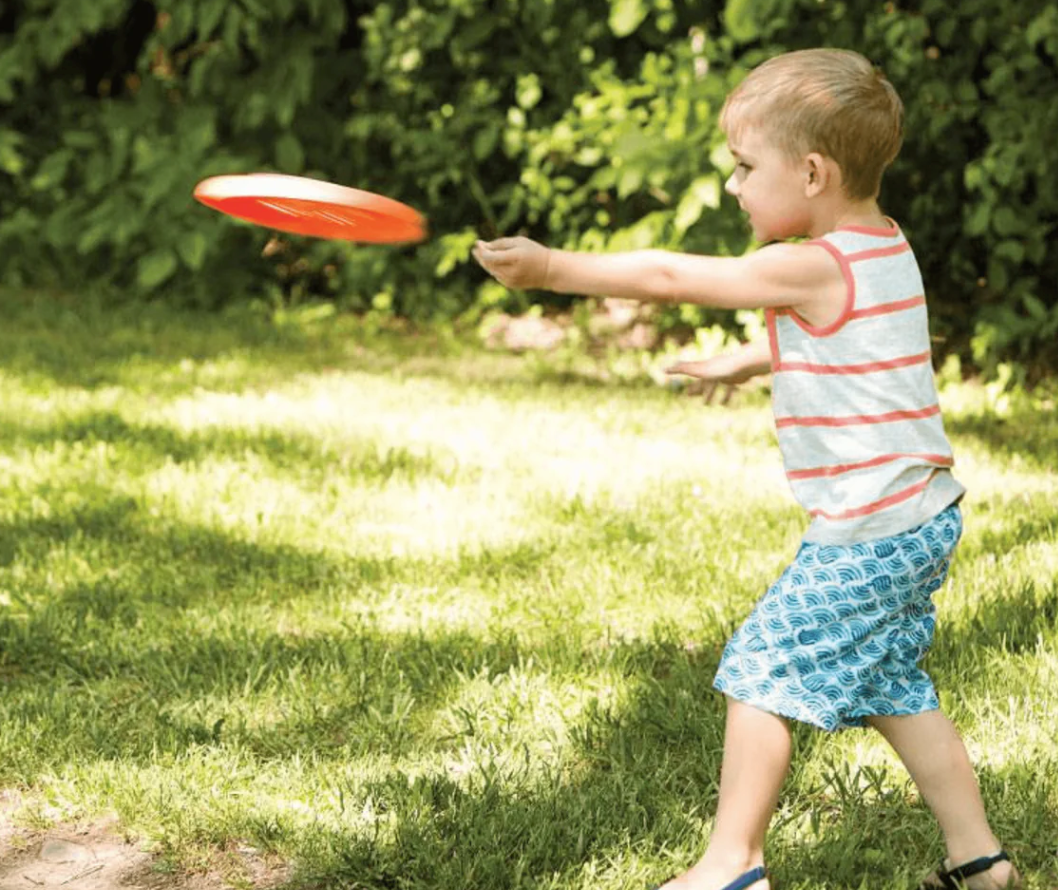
(830, 101)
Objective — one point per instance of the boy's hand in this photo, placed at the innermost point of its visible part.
(728, 370)
(518, 263)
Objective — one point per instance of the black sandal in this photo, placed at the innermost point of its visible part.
(951, 879)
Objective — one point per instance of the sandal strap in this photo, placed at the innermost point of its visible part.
(741, 882)
(750, 877)
(942, 875)
(949, 876)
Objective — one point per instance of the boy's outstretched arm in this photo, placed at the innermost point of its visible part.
(779, 275)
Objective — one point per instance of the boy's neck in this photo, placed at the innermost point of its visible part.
(843, 213)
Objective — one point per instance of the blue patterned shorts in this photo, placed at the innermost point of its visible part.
(839, 636)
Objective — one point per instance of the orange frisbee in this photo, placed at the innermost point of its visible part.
(304, 206)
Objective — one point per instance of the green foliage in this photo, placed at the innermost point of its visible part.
(587, 124)
(974, 186)
(637, 162)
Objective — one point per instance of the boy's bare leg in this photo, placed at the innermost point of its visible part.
(756, 759)
(934, 754)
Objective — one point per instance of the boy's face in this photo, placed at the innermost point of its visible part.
(769, 187)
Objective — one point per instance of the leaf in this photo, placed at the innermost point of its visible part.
(528, 92)
(92, 237)
(632, 144)
(11, 160)
(192, 248)
(290, 156)
(1010, 250)
(703, 192)
(998, 278)
(1037, 309)
(456, 250)
(209, 17)
(642, 234)
(1042, 27)
(977, 222)
(626, 16)
(629, 180)
(156, 267)
(82, 140)
(475, 32)
(198, 130)
(52, 169)
(485, 142)
(1005, 221)
(740, 21)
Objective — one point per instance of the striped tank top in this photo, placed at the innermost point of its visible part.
(855, 402)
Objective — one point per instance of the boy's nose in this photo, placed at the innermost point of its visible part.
(731, 186)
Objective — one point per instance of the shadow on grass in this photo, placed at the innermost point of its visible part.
(1011, 624)
(76, 341)
(80, 342)
(131, 662)
(356, 458)
(1022, 521)
(68, 341)
(637, 777)
(639, 780)
(1030, 436)
(111, 667)
(196, 565)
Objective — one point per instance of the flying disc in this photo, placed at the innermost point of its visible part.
(312, 207)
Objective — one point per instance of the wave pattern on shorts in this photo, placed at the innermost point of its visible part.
(839, 636)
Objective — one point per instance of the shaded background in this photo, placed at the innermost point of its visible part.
(585, 123)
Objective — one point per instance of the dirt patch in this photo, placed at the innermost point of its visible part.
(97, 856)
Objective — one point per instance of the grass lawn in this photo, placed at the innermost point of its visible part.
(404, 614)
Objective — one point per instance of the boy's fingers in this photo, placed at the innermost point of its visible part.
(488, 257)
(498, 244)
(692, 368)
(492, 255)
(711, 392)
(493, 262)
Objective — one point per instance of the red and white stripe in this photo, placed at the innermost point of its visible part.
(855, 402)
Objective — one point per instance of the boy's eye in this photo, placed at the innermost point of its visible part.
(742, 165)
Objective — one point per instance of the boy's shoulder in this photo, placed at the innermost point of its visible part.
(814, 284)
(801, 262)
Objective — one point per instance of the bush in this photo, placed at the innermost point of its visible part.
(975, 185)
(588, 124)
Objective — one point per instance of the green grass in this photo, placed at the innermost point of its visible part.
(409, 615)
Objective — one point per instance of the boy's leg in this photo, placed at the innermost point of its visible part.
(756, 759)
(934, 754)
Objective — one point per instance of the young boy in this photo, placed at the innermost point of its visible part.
(836, 641)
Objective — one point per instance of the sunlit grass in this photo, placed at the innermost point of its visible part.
(407, 614)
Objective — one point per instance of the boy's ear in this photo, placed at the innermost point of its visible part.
(820, 173)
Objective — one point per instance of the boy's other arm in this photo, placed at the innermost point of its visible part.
(731, 368)
(802, 277)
